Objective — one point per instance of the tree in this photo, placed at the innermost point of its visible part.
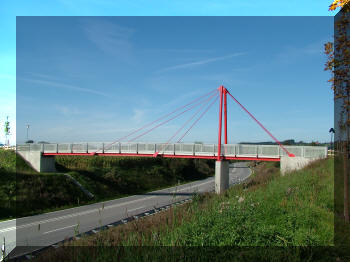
(338, 3)
(288, 142)
(338, 62)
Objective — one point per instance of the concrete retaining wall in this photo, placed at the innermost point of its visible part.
(39, 162)
(289, 164)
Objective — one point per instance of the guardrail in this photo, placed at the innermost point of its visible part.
(234, 150)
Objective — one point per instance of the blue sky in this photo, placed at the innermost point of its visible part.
(96, 78)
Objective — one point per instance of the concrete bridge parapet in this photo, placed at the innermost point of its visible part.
(38, 161)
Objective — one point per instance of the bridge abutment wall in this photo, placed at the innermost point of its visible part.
(221, 176)
(289, 164)
(39, 162)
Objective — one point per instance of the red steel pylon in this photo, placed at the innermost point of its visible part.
(223, 91)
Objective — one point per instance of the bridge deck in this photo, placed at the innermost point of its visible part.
(165, 155)
(179, 150)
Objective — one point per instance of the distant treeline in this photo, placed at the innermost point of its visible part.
(288, 142)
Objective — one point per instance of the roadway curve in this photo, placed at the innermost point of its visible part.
(35, 232)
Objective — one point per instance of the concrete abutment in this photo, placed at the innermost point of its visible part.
(289, 164)
(38, 161)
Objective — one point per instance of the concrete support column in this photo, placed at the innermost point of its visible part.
(221, 176)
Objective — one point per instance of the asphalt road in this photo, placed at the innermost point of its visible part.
(34, 232)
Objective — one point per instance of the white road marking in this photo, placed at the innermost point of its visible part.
(190, 187)
(96, 210)
(7, 229)
(59, 229)
(130, 210)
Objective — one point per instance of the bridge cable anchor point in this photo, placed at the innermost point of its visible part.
(155, 154)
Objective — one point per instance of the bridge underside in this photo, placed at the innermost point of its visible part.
(252, 158)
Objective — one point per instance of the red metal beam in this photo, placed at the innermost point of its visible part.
(225, 113)
(168, 156)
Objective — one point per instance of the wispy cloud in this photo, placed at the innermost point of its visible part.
(199, 62)
(291, 53)
(316, 47)
(45, 76)
(66, 86)
(110, 37)
(67, 110)
(180, 50)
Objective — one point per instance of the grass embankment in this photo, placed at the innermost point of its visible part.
(24, 192)
(267, 210)
(120, 176)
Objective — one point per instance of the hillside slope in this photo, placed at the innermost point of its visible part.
(267, 210)
(25, 192)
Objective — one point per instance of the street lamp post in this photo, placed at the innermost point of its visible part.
(331, 131)
(27, 132)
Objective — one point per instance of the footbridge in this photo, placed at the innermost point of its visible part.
(41, 156)
(177, 150)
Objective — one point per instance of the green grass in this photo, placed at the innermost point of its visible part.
(25, 192)
(108, 177)
(291, 213)
(342, 230)
(279, 213)
(8, 183)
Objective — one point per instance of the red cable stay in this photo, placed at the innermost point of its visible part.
(164, 122)
(278, 142)
(205, 99)
(153, 122)
(164, 147)
(206, 110)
